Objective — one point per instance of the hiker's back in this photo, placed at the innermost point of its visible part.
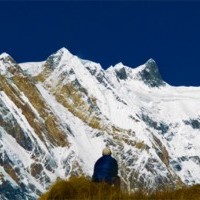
(106, 169)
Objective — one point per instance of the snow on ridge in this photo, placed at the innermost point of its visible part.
(119, 65)
(75, 61)
(132, 71)
(3, 55)
(90, 64)
(3, 69)
(32, 68)
(66, 54)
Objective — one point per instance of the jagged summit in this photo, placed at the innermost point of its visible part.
(119, 65)
(151, 75)
(151, 65)
(148, 73)
(54, 59)
(151, 60)
(65, 52)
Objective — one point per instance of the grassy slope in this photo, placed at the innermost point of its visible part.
(83, 189)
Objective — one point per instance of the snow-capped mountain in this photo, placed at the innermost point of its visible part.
(56, 116)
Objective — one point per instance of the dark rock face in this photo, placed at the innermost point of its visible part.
(151, 75)
(54, 60)
(121, 73)
(14, 193)
(176, 165)
(194, 123)
(162, 127)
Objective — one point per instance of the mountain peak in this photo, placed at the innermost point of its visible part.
(151, 60)
(151, 75)
(119, 65)
(151, 65)
(54, 59)
(4, 55)
(64, 52)
(6, 58)
(8, 65)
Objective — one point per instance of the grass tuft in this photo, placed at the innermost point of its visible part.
(83, 189)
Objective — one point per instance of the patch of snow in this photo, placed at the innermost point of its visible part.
(32, 68)
(3, 55)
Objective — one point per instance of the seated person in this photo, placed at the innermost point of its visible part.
(106, 169)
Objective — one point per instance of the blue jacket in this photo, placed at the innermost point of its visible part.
(105, 169)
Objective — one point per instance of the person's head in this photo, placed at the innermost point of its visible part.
(106, 152)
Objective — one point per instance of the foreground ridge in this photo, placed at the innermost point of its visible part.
(81, 188)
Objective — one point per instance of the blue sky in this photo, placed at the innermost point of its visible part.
(130, 32)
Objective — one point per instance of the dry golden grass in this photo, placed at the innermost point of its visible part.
(44, 74)
(164, 156)
(9, 169)
(71, 98)
(83, 189)
(80, 188)
(140, 145)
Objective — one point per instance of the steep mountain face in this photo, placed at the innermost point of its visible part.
(56, 117)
